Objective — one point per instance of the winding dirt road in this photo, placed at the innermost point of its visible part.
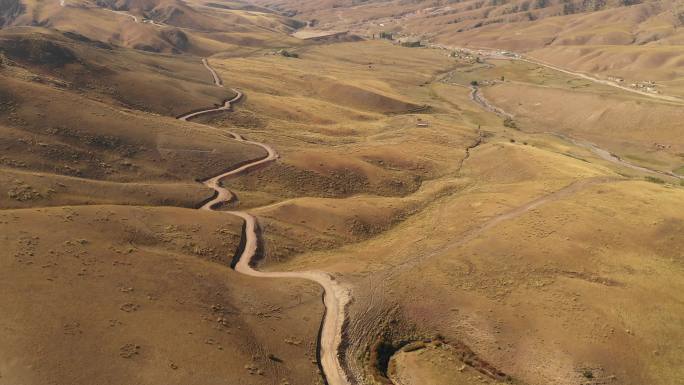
(214, 75)
(335, 298)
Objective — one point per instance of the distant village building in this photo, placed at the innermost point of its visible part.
(646, 86)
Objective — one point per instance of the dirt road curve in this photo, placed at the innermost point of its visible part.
(226, 106)
(336, 296)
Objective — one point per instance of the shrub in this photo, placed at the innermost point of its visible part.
(289, 54)
(272, 357)
(473, 83)
(510, 123)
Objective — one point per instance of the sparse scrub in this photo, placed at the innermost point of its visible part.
(411, 44)
(386, 35)
(414, 346)
(23, 192)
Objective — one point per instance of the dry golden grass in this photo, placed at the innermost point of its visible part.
(435, 365)
(125, 295)
(90, 139)
(566, 287)
(448, 261)
(633, 127)
(544, 259)
(24, 189)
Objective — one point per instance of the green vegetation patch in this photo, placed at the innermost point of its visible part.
(653, 179)
(679, 171)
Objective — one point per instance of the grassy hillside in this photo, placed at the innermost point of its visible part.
(157, 26)
(91, 152)
(138, 283)
(639, 40)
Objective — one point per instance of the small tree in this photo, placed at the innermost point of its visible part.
(386, 35)
(289, 54)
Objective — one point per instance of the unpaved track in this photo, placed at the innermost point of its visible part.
(607, 155)
(477, 97)
(513, 213)
(496, 54)
(214, 75)
(584, 76)
(226, 106)
(336, 297)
